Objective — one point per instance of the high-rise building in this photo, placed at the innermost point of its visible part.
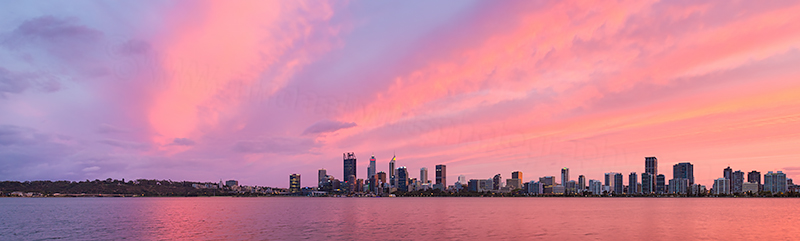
(647, 183)
(608, 176)
(322, 177)
(441, 176)
(683, 170)
(423, 175)
(350, 174)
(660, 184)
(736, 181)
(402, 179)
(381, 178)
(679, 186)
(564, 176)
(595, 187)
(721, 186)
(392, 174)
(755, 177)
(231, 183)
(462, 179)
(651, 165)
(618, 186)
(372, 166)
(775, 182)
(517, 175)
(633, 181)
(727, 173)
(547, 183)
(581, 183)
(496, 182)
(294, 183)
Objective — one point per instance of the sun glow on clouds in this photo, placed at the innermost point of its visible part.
(256, 90)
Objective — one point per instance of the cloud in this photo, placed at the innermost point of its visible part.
(91, 169)
(325, 126)
(182, 142)
(125, 144)
(277, 145)
(51, 29)
(108, 128)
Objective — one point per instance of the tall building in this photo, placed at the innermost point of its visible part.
(294, 183)
(651, 165)
(564, 176)
(380, 177)
(728, 174)
(496, 182)
(402, 179)
(660, 183)
(350, 168)
(721, 186)
(423, 175)
(683, 170)
(647, 183)
(441, 176)
(618, 186)
(633, 183)
(608, 177)
(679, 186)
(736, 181)
(755, 177)
(595, 187)
(372, 166)
(462, 179)
(581, 183)
(231, 183)
(547, 184)
(322, 177)
(392, 174)
(517, 175)
(775, 182)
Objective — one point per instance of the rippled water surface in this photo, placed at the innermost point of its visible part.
(282, 218)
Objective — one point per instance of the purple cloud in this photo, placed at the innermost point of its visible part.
(182, 142)
(325, 126)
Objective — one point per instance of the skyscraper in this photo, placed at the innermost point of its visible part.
(402, 179)
(660, 183)
(651, 165)
(462, 179)
(372, 166)
(683, 170)
(721, 186)
(618, 186)
(633, 181)
(349, 168)
(294, 183)
(581, 183)
(517, 175)
(755, 177)
(441, 176)
(647, 183)
(322, 177)
(496, 182)
(392, 175)
(423, 175)
(728, 174)
(775, 182)
(564, 176)
(736, 181)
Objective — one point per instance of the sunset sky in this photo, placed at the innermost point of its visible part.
(258, 90)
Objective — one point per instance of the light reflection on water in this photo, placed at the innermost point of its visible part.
(281, 218)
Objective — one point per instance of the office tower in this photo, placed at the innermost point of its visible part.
(683, 170)
(647, 183)
(423, 175)
(595, 187)
(513, 183)
(750, 187)
(608, 177)
(755, 177)
(322, 177)
(736, 181)
(392, 175)
(547, 183)
(381, 177)
(496, 182)
(679, 186)
(721, 186)
(231, 183)
(775, 182)
(402, 179)
(372, 166)
(462, 179)
(581, 183)
(564, 176)
(517, 175)
(618, 183)
(350, 168)
(294, 183)
(651, 165)
(633, 181)
(728, 174)
(441, 176)
(660, 185)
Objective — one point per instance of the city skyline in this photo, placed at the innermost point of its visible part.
(258, 90)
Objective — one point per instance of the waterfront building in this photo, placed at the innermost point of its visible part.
(581, 183)
(618, 186)
(736, 181)
(755, 177)
(294, 183)
(647, 183)
(750, 187)
(633, 183)
(441, 177)
(721, 186)
(462, 179)
(547, 182)
(392, 174)
(595, 187)
(372, 166)
(322, 177)
(496, 182)
(350, 174)
(571, 187)
(232, 183)
(608, 177)
(727, 173)
(402, 179)
(564, 176)
(558, 189)
(651, 167)
(679, 186)
(660, 185)
(513, 183)
(423, 175)
(683, 170)
(517, 175)
(775, 182)
(534, 188)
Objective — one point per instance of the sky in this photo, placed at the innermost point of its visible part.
(258, 90)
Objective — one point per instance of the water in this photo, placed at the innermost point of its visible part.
(290, 218)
